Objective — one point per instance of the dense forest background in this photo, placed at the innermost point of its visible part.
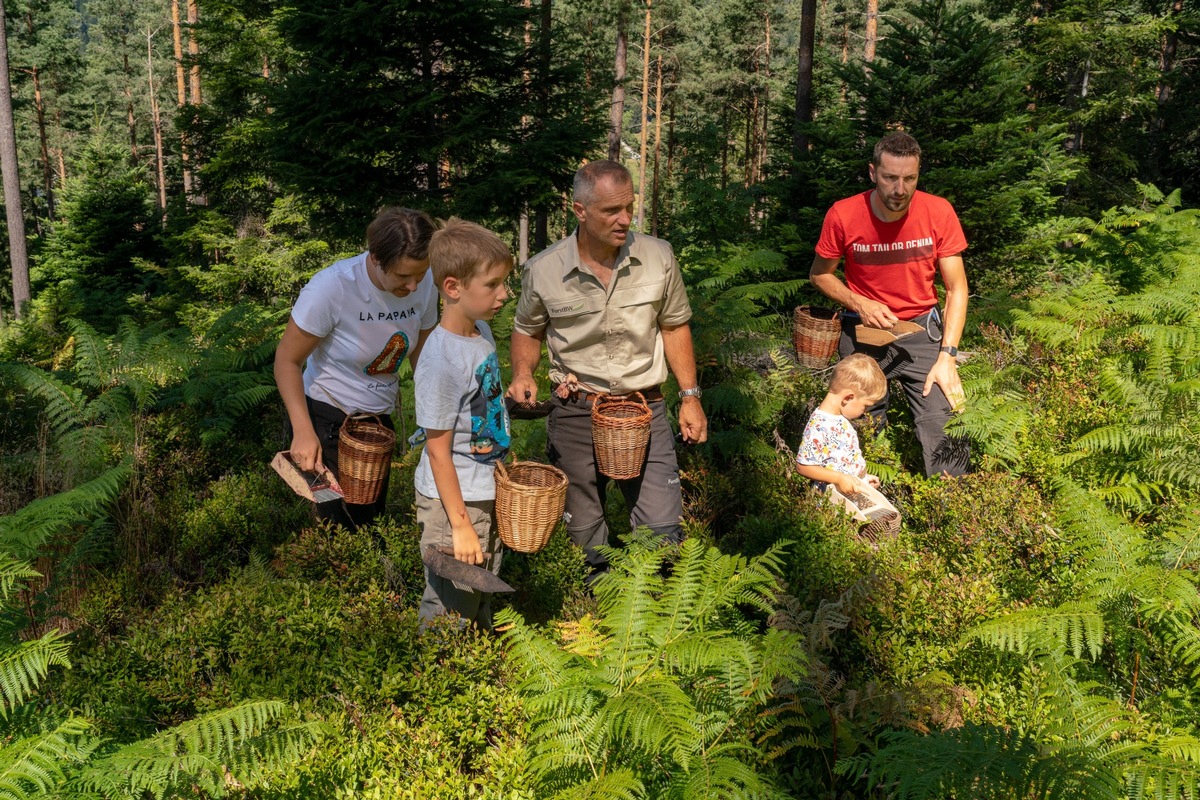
(175, 625)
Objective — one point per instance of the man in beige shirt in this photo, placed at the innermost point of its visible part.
(611, 307)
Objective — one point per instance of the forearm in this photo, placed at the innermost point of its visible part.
(822, 474)
(680, 354)
(955, 318)
(289, 378)
(525, 352)
(832, 287)
(445, 478)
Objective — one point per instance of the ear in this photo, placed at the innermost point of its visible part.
(871, 170)
(847, 397)
(580, 211)
(452, 287)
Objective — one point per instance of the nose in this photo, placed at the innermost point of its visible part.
(625, 217)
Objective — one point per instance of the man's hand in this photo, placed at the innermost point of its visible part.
(306, 449)
(945, 374)
(466, 545)
(523, 390)
(693, 424)
(874, 314)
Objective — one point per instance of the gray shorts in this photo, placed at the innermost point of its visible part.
(443, 595)
(653, 498)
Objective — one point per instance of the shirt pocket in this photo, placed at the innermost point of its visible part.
(639, 306)
(575, 314)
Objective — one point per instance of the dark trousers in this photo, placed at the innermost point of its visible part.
(327, 422)
(908, 361)
(653, 498)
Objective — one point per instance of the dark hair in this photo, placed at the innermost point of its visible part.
(591, 173)
(896, 143)
(462, 249)
(398, 233)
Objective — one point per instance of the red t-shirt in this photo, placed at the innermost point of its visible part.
(893, 263)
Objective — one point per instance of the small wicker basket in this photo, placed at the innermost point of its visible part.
(621, 434)
(815, 332)
(364, 457)
(530, 498)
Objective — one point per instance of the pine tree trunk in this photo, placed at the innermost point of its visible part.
(39, 109)
(181, 95)
(193, 13)
(156, 123)
(541, 220)
(617, 111)
(808, 25)
(872, 33)
(658, 86)
(127, 90)
(12, 180)
(643, 135)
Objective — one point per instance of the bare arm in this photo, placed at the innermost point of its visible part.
(944, 372)
(294, 349)
(823, 275)
(441, 463)
(844, 481)
(525, 352)
(681, 358)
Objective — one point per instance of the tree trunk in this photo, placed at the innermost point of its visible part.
(808, 25)
(127, 90)
(617, 111)
(644, 134)
(541, 221)
(12, 180)
(1166, 64)
(658, 86)
(766, 104)
(39, 108)
(193, 13)
(156, 123)
(872, 33)
(664, 217)
(181, 95)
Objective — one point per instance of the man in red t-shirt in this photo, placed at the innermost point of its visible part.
(894, 240)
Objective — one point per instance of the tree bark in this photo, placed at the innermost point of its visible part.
(808, 25)
(12, 180)
(39, 108)
(181, 95)
(658, 87)
(127, 90)
(156, 123)
(193, 13)
(644, 134)
(872, 33)
(617, 111)
(541, 219)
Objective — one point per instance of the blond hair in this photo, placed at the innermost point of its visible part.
(858, 373)
(461, 249)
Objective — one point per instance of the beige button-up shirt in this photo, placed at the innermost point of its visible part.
(609, 338)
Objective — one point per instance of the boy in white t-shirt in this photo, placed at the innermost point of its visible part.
(829, 450)
(460, 405)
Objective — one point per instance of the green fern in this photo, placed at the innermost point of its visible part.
(661, 699)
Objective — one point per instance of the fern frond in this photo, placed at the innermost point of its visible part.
(64, 405)
(23, 532)
(36, 766)
(1076, 627)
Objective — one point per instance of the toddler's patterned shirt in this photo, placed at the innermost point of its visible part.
(830, 441)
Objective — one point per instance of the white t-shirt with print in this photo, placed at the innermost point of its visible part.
(458, 389)
(830, 441)
(366, 334)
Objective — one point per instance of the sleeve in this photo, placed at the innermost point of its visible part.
(832, 243)
(438, 389)
(315, 308)
(814, 449)
(951, 239)
(675, 308)
(531, 315)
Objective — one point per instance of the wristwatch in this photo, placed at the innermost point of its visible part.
(693, 392)
(951, 349)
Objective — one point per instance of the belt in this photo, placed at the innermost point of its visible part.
(652, 394)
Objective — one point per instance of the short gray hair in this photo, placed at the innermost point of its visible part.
(583, 189)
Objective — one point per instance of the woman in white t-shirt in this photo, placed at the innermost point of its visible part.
(350, 330)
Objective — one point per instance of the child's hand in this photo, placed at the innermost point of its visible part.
(872, 480)
(846, 484)
(466, 545)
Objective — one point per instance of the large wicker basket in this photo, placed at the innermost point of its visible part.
(364, 457)
(621, 434)
(816, 331)
(530, 498)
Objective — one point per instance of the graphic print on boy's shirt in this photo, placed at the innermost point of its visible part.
(490, 438)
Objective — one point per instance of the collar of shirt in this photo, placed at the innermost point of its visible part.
(575, 263)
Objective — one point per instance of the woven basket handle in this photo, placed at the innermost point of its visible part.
(362, 415)
(500, 468)
(632, 396)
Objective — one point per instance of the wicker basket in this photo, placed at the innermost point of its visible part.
(364, 457)
(816, 331)
(620, 434)
(530, 498)
(886, 526)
